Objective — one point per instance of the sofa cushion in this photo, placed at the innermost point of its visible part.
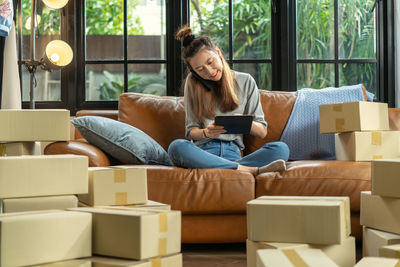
(161, 117)
(200, 191)
(277, 107)
(318, 178)
(124, 142)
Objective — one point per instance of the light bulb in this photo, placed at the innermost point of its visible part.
(55, 58)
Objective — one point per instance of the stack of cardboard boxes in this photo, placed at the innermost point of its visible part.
(363, 134)
(362, 130)
(380, 211)
(285, 230)
(36, 182)
(51, 229)
(129, 229)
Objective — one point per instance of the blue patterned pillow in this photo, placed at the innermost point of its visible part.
(122, 141)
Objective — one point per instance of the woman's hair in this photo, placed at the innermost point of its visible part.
(203, 101)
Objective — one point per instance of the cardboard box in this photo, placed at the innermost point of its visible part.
(166, 261)
(44, 175)
(29, 238)
(380, 213)
(315, 220)
(69, 263)
(390, 251)
(375, 261)
(116, 186)
(353, 116)
(343, 254)
(148, 205)
(34, 125)
(374, 239)
(39, 203)
(385, 177)
(293, 257)
(20, 149)
(135, 234)
(366, 146)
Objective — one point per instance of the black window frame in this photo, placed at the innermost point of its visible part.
(283, 55)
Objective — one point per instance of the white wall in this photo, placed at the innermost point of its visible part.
(397, 49)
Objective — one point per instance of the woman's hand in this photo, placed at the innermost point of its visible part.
(213, 131)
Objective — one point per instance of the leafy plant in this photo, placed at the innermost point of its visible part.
(114, 86)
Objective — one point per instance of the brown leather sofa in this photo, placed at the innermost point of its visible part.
(213, 201)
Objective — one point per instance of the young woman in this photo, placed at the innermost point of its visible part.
(212, 89)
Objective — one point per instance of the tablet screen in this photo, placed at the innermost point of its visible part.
(235, 124)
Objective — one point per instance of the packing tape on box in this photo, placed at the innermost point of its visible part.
(121, 198)
(3, 150)
(376, 138)
(337, 107)
(339, 125)
(345, 204)
(119, 175)
(294, 258)
(156, 262)
(162, 228)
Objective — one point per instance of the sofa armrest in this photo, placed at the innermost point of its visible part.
(97, 158)
(394, 118)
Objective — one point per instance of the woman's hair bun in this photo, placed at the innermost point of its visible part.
(183, 32)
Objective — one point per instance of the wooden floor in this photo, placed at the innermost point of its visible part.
(214, 255)
(222, 255)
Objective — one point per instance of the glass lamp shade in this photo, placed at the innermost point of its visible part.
(58, 54)
(55, 4)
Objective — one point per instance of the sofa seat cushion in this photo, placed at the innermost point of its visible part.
(318, 178)
(200, 191)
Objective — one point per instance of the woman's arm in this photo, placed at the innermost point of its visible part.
(212, 131)
(258, 129)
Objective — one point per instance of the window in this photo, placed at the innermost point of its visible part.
(336, 43)
(242, 28)
(129, 46)
(125, 48)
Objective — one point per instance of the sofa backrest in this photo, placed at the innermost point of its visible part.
(163, 117)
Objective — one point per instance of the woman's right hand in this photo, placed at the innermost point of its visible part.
(213, 131)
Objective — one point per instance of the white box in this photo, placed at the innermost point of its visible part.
(293, 257)
(29, 238)
(44, 175)
(39, 203)
(343, 254)
(34, 125)
(374, 239)
(116, 186)
(295, 219)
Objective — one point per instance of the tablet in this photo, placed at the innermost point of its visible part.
(235, 124)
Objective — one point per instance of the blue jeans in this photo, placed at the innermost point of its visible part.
(223, 154)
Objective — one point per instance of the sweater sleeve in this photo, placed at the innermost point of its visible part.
(190, 120)
(253, 105)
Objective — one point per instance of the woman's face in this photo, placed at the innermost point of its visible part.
(207, 64)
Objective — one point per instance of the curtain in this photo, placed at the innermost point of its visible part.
(397, 51)
(11, 93)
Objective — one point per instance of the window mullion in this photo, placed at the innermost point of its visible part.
(336, 29)
(125, 5)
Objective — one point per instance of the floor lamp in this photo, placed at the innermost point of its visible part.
(57, 54)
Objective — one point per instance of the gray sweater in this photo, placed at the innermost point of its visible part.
(249, 99)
